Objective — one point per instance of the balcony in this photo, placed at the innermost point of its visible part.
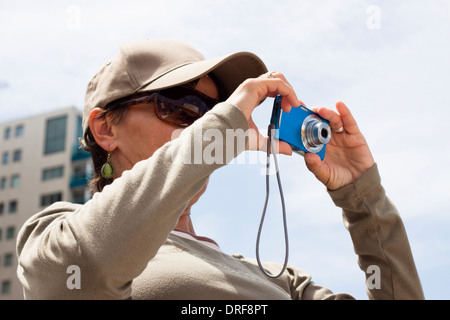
(79, 180)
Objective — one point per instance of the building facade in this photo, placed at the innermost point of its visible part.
(41, 162)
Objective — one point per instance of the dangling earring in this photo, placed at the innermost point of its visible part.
(107, 170)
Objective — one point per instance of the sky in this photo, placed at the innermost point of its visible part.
(388, 61)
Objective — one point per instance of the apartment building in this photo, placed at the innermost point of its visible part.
(41, 162)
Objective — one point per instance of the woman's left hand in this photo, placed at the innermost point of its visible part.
(347, 155)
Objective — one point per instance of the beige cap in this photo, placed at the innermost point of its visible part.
(151, 65)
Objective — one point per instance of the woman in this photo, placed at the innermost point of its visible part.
(135, 239)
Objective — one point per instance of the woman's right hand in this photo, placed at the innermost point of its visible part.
(252, 91)
(250, 94)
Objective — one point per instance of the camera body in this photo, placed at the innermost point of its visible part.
(303, 129)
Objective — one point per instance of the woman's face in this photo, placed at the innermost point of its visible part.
(141, 132)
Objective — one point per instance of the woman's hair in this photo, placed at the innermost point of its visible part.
(98, 154)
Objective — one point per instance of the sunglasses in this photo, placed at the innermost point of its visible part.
(180, 106)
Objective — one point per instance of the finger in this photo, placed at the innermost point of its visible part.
(259, 142)
(274, 74)
(285, 105)
(255, 139)
(277, 84)
(285, 148)
(251, 92)
(317, 167)
(348, 120)
(281, 76)
(301, 103)
(281, 147)
(332, 116)
(295, 102)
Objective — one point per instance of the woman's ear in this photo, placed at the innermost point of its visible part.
(102, 130)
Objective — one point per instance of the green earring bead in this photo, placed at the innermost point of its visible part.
(107, 170)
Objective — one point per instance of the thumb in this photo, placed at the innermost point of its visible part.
(317, 167)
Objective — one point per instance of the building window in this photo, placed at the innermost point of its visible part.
(48, 199)
(19, 130)
(15, 181)
(2, 208)
(79, 127)
(52, 173)
(3, 183)
(55, 135)
(7, 133)
(6, 287)
(8, 260)
(12, 206)
(10, 233)
(5, 157)
(17, 155)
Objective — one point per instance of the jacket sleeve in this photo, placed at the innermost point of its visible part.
(110, 239)
(379, 239)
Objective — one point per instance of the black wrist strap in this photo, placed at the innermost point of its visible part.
(270, 149)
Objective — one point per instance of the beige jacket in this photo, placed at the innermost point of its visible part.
(120, 244)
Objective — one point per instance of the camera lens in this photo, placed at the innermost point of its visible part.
(319, 134)
(315, 133)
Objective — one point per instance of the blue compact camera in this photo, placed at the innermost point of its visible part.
(303, 129)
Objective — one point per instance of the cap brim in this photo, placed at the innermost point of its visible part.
(230, 71)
